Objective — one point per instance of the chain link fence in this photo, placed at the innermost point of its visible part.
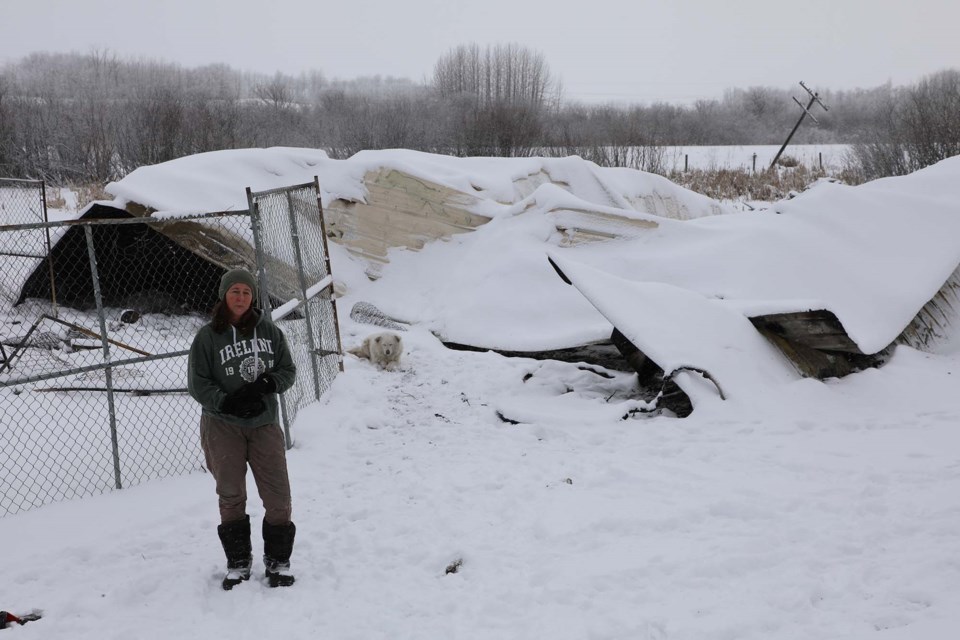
(93, 370)
(22, 202)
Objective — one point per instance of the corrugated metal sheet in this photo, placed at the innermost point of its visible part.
(937, 321)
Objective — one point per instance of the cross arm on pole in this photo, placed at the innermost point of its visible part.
(814, 97)
(806, 110)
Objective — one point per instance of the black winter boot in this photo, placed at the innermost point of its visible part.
(235, 537)
(277, 547)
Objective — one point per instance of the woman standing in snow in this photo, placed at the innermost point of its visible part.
(238, 364)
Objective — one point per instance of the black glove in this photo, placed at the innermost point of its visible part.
(243, 404)
(262, 385)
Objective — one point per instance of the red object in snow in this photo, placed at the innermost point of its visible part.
(6, 618)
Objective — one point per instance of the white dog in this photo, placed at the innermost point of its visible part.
(382, 349)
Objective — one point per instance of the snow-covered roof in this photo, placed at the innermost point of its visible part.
(874, 255)
(215, 181)
(849, 250)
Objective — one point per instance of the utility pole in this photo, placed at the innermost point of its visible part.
(814, 97)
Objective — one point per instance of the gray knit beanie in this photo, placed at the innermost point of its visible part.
(234, 276)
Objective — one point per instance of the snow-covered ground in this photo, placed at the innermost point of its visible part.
(805, 510)
(823, 510)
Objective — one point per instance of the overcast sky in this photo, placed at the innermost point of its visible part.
(623, 50)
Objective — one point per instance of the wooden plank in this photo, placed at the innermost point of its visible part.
(811, 362)
(817, 329)
(816, 342)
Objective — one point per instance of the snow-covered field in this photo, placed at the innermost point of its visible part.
(806, 510)
(710, 158)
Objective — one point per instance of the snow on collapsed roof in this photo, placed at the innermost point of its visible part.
(215, 181)
(679, 328)
(872, 254)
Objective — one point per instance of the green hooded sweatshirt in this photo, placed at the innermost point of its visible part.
(222, 362)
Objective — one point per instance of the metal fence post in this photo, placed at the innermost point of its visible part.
(264, 301)
(46, 231)
(108, 371)
(326, 261)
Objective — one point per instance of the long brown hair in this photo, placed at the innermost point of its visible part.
(220, 319)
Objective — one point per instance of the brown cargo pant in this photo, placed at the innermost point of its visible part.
(228, 448)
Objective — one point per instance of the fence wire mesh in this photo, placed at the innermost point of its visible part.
(93, 363)
(21, 202)
(296, 273)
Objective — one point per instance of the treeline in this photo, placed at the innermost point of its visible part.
(72, 118)
(916, 127)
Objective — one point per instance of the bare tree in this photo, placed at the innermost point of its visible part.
(6, 126)
(311, 85)
(153, 126)
(276, 92)
(515, 75)
(500, 94)
(915, 127)
(94, 122)
(931, 117)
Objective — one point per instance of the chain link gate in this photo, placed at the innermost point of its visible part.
(93, 391)
(295, 281)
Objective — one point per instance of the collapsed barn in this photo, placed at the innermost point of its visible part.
(825, 325)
